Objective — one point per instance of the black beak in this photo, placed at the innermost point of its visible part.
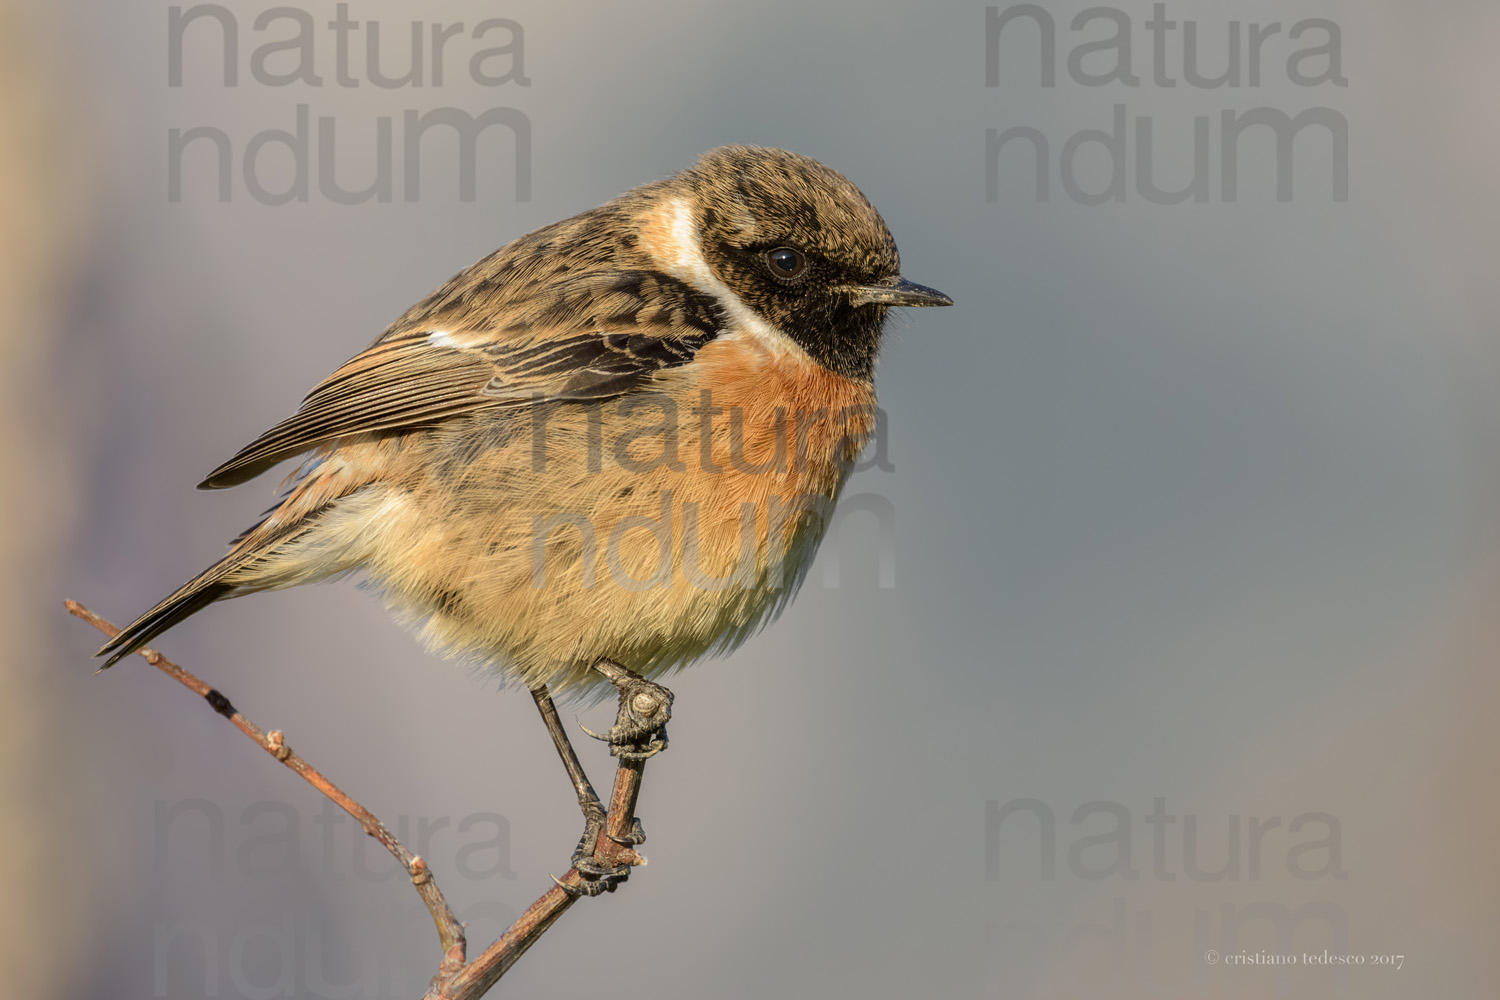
(898, 292)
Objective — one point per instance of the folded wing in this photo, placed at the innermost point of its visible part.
(591, 338)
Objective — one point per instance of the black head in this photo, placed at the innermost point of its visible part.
(805, 249)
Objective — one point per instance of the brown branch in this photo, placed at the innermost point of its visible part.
(482, 973)
(450, 931)
(644, 714)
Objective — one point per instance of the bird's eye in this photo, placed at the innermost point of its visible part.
(785, 262)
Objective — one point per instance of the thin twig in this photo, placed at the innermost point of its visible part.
(450, 931)
(455, 979)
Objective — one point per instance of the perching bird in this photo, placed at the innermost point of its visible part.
(618, 438)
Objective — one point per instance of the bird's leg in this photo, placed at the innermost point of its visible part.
(588, 799)
(639, 732)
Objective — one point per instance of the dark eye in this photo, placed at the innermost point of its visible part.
(785, 262)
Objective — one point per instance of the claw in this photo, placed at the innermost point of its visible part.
(601, 737)
(589, 889)
(636, 834)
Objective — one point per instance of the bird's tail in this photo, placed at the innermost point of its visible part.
(269, 556)
(322, 527)
(187, 600)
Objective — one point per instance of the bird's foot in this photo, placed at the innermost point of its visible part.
(640, 729)
(601, 876)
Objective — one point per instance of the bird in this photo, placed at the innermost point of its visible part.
(617, 438)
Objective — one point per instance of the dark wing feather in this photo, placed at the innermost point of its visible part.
(404, 380)
(592, 367)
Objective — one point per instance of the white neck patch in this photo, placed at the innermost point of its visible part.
(681, 256)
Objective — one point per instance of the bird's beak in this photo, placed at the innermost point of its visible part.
(897, 292)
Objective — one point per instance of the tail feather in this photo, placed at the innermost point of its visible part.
(187, 600)
(223, 579)
(283, 549)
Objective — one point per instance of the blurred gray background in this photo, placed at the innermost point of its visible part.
(1195, 515)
